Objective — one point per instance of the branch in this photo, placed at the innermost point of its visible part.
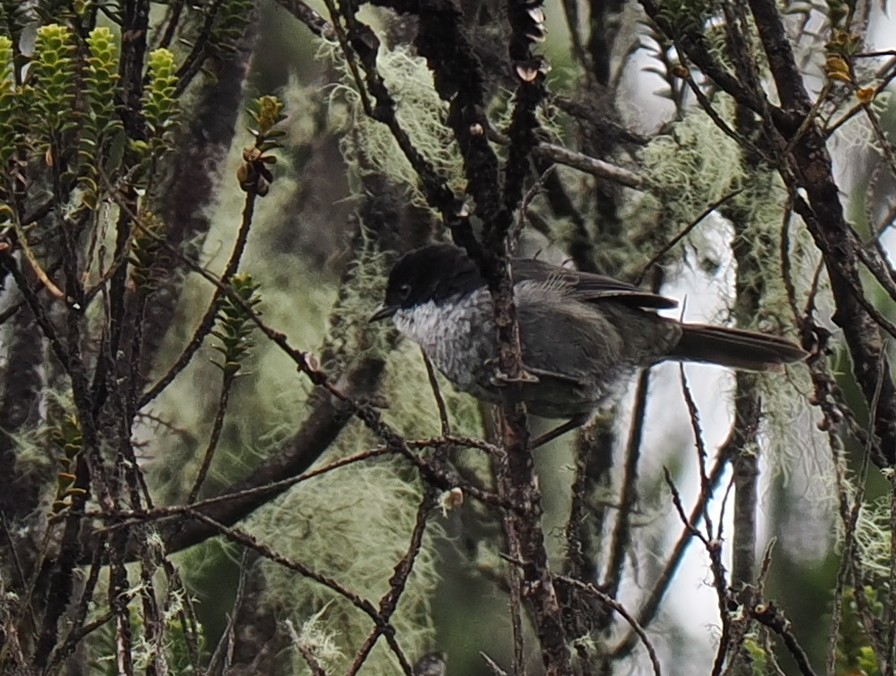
(590, 165)
(786, 73)
(621, 537)
(315, 22)
(767, 614)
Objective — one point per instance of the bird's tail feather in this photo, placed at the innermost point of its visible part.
(735, 348)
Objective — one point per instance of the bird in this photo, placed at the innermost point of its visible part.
(581, 333)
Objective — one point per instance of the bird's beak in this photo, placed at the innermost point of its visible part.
(383, 312)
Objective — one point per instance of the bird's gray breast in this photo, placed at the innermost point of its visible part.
(457, 334)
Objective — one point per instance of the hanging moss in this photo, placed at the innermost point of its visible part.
(693, 165)
(369, 147)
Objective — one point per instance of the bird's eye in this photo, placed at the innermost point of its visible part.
(404, 291)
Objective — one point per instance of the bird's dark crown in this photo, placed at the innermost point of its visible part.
(432, 273)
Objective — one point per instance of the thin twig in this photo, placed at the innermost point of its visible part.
(491, 664)
(621, 537)
(651, 605)
(224, 650)
(850, 518)
(305, 651)
(684, 233)
(246, 540)
(437, 394)
(610, 602)
(214, 437)
(208, 319)
(513, 238)
(699, 444)
(397, 583)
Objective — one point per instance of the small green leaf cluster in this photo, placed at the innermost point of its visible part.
(855, 655)
(230, 25)
(71, 104)
(253, 174)
(266, 112)
(160, 104)
(101, 123)
(235, 325)
(11, 117)
(688, 16)
(81, 6)
(55, 77)
(101, 79)
(68, 439)
(145, 250)
(758, 656)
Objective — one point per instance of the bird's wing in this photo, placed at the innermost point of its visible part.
(572, 350)
(588, 287)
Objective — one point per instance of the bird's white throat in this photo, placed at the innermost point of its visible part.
(445, 331)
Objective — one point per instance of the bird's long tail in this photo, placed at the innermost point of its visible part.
(735, 348)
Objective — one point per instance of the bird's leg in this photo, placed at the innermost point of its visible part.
(558, 431)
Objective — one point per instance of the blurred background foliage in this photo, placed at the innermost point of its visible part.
(88, 181)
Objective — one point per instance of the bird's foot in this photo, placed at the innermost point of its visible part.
(528, 375)
(500, 379)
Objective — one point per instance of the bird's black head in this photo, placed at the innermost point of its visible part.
(432, 273)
